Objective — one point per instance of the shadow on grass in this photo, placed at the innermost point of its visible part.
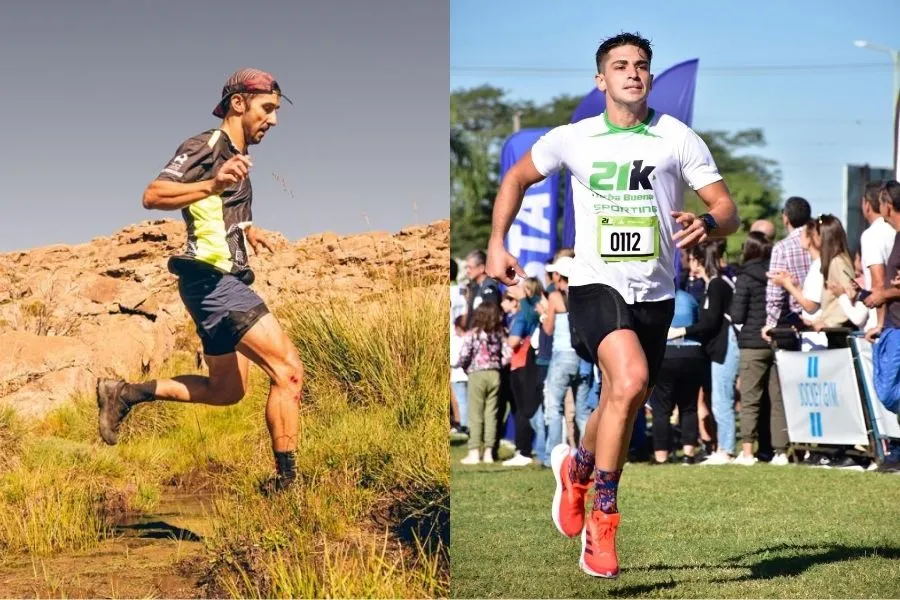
(158, 530)
(800, 559)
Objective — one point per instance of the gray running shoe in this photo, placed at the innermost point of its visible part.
(113, 409)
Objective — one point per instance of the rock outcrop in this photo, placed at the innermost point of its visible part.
(69, 314)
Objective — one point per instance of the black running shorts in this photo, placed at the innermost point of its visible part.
(596, 310)
(222, 306)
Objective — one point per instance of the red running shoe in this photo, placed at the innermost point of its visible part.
(598, 545)
(568, 500)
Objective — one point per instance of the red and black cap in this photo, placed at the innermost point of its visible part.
(247, 81)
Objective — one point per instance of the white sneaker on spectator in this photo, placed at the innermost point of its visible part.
(779, 460)
(488, 456)
(519, 460)
(743, 459)
(717, 458)
(471, 458)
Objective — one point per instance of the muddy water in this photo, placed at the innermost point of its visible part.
(147, 555)
(177, 516)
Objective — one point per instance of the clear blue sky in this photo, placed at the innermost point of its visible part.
(822, 102)
(98, 94)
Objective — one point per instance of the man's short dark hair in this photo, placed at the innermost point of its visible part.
(872, 194)
(478, 256)
(454, 270)
(892, 193)
(797, 211)
(623, 39)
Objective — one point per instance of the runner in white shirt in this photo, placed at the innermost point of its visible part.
(629, 167)
(875, 246)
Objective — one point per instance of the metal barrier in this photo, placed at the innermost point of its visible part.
(829, 397)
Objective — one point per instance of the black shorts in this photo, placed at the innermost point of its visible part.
(222, 306)
(596, 310)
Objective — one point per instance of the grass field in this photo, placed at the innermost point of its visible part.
(698, 532)
(368, 518)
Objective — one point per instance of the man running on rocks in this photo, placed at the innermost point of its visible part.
(208, 181)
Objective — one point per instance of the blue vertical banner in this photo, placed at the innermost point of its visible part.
(532, 237)
(672, 93)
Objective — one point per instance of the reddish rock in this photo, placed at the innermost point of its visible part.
(69, 314)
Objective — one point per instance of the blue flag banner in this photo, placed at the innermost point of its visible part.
(532, 237)
(672, 94)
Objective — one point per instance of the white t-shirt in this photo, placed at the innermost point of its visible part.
(457, 303)
(625, 185)
(456, 343)
(813, 286)
(875, 245)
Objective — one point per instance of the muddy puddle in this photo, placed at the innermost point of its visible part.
(177, 517)
(156, 555)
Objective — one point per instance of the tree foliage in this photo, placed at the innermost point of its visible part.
(481, 119)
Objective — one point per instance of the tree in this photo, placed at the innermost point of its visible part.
(480, 121)
(754, 181)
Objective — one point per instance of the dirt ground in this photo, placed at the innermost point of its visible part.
(151, 556)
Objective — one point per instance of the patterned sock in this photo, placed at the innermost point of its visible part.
(606, 484)
(284, 462)
(582, 467)
(135, 393)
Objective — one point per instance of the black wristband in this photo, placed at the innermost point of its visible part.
(708, 222)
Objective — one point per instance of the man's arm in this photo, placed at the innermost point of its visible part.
(510, 195)
(172, 195)
(719, 205)
(189, 175)
(699, 171)
(877, 272)
(879, 297)
(506, 206)
(165, 194)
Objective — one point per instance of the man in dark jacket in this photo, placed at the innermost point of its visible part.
(758, 371)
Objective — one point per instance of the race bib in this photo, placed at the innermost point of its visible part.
(627, 238)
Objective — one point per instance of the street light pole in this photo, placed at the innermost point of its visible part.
(895, 57)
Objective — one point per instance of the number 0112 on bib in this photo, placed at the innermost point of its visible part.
(627, 238)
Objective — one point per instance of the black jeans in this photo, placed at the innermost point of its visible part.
(679, 383)
(527, 398)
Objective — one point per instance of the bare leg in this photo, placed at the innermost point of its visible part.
(226, 384)
(268, 346)
(624, 391)
(747, 449)
(705, 421)
(590, 433)
(569, 412)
